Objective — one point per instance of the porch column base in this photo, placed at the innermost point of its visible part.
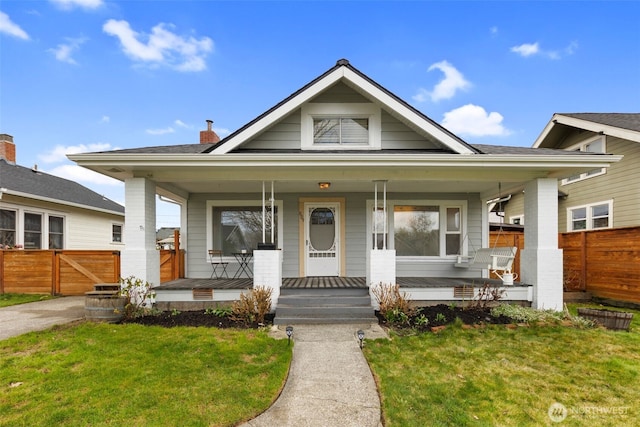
(543, 269)
(381, 270)
(141, 263)
(267, 272)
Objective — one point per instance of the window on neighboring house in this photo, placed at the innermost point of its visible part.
(590, 217)
(116, 233)
(518, 220)
(379, 235)
(238, 226)
(32, 231)
(596, 145)
(7, 228)
(340, 130)
(56, 232)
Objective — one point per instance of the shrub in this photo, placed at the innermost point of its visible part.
(394, 305)
(252, 306)
(486, 295)
(531, 315)
(139, 297)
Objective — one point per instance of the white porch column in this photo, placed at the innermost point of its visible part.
(541, 260)
(267, 272)
(140, 257)
(381, 270)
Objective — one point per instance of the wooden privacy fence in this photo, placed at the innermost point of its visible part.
(61, 272)
(605, 263)
(71, 272)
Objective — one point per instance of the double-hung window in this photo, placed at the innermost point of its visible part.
(7, 228)
(32, 231)
(116, 233)
(590, 217)
(56, 232)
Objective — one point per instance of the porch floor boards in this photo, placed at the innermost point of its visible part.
(330, 282)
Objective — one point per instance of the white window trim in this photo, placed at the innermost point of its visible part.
(44, 218)
(328, 110)
(443, 205)
(589, 217)
(222, 203)
(579, 147)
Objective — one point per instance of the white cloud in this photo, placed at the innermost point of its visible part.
(493, 30)
(222, 131)
(530, 49)
(446, 88)
(79, 174)
(526, 49)
(7, 26)
(473, 120)
(83, 4)
(162, 47)
(59, 152)
(182, 124)
(105, 119)
(64, 51)
(160, 131)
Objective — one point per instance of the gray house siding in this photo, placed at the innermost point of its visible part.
(356, 234)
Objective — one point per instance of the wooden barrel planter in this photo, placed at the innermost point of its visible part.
(617, 320)
(104, 306)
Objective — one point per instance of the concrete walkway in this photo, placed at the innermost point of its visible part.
(329, 383)
(36, 316)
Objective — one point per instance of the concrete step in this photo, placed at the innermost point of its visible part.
(324, 306)
(324, 320)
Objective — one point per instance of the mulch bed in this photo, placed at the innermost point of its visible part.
(442, 315)
(437, 315)
(170, 319)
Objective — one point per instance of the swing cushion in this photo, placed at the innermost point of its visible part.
(498, 258)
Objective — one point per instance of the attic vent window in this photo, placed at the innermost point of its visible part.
(340, 130)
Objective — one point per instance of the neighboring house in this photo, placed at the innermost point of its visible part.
(346, 180)
(42, 211)
(601, 197)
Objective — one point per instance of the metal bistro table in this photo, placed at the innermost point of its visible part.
(243, 258)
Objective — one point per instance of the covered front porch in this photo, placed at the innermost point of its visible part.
(198, 294)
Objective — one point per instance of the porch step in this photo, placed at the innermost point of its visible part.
(324, 306)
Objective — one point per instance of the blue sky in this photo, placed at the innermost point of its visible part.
(92, 75)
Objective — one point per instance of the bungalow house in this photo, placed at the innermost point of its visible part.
(601, 197)
(351, 186)
(43, 211)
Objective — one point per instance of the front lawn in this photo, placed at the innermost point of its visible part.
(12, 299)
(133, 375)
(509, 377)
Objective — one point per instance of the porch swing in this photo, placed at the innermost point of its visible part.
(497, 259)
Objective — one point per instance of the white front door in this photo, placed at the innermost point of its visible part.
(322, 239)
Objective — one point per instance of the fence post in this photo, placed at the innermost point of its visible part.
(583, 256)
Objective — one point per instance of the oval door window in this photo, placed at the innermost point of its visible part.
(322, 231)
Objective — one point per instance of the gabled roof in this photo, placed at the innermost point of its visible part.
(621, 125)
(25, 182)
(345, 72)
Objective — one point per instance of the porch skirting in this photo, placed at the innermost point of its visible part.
(197, 294)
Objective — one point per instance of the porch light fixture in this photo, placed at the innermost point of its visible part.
(324, 185)
(289, 331)
(360, 334)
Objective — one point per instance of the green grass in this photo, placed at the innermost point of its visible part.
(102, 374)
(509, 377)
(12, 299)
